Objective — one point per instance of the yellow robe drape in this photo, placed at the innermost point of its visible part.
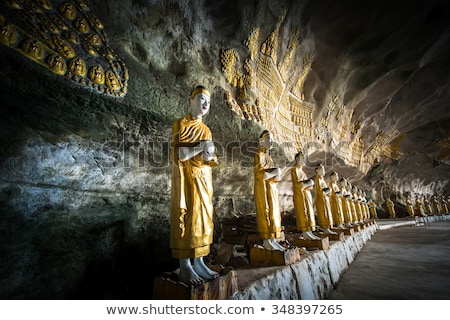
(390, 207)
(324, 216)
(303, 202)
(346, 210)
(191, 220)
(268, 217)
(336, 204)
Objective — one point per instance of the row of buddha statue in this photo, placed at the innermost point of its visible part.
(336, 205)
(434, 205)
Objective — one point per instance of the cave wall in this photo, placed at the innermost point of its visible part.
(85, 176)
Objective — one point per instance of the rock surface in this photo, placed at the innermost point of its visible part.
(85, 176)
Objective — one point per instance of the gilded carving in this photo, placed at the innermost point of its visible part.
(269, 91)
(8, 35)
(67, 39)
(94, 20)
(67, 9)
(57, 64)
(46, 4)
(97, 74)
(94, 39)
(33, 49)
(81, 25)
(111, 80)
(71, 36)
(77, 66)
(63, 47)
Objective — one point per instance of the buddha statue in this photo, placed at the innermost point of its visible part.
(444, 205)
(303, 201)
(191, 219)
(346, 210)
(409, 207)
(428, 208)
(322, 200)
(335, 200)
(267, 177)
(390, 207)
(351, 203)
(419, 207)
(372, 209)
(436, 205)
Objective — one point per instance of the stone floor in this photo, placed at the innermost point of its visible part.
(402, 261)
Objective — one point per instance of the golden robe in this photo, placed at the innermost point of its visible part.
(324, 215)
(444, 206)
(419, 208)
(373, 209)
(428, 207)
(336, 204)
(268, 216)
(410, 208)
(390, 207)
(303, 202)
(191, 219)
(346, 210)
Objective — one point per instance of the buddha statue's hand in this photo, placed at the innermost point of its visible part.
(308, 182)
(208, 150)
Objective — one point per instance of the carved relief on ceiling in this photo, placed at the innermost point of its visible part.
(66, 38)
(267, 88)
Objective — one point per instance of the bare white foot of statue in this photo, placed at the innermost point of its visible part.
(187, 274)
(329, 231)
(271, 244)
(202, 270)
(277, 245)
(308, 235)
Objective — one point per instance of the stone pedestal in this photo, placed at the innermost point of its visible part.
(334, 237)
(261, 256)
(346, 231)
(322, 244)
(165, 288)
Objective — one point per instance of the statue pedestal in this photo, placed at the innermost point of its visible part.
(165, 288)
(335, 237)
(346, 231)
(261, 256)
(322, 244)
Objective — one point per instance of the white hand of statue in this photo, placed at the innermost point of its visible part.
(208, 150)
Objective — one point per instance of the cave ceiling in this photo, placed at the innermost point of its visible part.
(361, 86)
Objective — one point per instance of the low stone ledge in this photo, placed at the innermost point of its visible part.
(311, 278)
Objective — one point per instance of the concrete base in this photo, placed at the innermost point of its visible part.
(261, 256)
(339, 236)
(322, 244)
(346, 231)
(310, 278)
(217, 289)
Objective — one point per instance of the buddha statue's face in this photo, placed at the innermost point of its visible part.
(200, 105)
(266, 141)
(300, 159)
(334, 177)
(321, 171)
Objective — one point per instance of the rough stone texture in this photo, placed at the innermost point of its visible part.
(85, 180)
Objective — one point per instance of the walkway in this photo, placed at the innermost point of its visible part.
(401, 262)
